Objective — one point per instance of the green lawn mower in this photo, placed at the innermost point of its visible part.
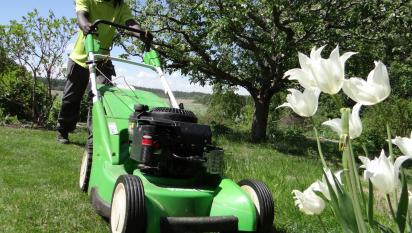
(152, 168)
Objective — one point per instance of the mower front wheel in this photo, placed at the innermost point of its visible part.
(128, 212)
(85, 171)
(263, 201)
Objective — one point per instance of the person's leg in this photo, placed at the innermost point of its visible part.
(76, 83)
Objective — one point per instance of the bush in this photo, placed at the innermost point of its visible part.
(396, 112)
(16, 94)
(225, 107)
(6, 119)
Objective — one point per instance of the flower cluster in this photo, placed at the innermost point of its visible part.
(317, 75)
(328, 75)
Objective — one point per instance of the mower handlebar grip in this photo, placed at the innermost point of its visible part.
(102, 21)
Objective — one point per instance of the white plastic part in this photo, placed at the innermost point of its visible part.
(118, 210)
(83, 169)
(92, 71)
(166, 86)
(252, 194)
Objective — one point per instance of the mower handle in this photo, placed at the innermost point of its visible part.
(94, 25)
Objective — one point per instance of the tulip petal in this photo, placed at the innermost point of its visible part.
(304, 104)
(335, 125)
(398, 163)
(346, 56)
(308, 202)
(355, 123)
(374, 90)
(404, 144)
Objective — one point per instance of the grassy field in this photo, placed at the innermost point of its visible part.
(39, 183)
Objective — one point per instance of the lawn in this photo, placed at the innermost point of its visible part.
(39, 183)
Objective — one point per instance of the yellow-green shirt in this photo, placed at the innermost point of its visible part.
(99, 9)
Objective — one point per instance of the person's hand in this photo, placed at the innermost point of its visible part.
(85, 27)
(83, 21)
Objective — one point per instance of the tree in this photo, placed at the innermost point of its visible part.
(225, 106)
(38, 44)
(251, 43)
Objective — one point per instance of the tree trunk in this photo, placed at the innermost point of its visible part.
(33, 96)
(260, 118)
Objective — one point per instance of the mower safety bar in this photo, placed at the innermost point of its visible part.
(224, 224)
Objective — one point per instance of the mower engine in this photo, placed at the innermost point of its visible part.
(168, 142)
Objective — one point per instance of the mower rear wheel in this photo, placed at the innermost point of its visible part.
(262, 198)
(85, 171)
(128, 211)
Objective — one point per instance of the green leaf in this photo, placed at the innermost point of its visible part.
(370, 205)
(402, 211)
(342, 206)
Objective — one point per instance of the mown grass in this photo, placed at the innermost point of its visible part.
(39, 182)
(281, 173)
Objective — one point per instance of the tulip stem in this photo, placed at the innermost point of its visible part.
(320, 148)
(391, 157)
(322, 224)
(337, 101)
(388, 198)
(351, 174)
(388, 131)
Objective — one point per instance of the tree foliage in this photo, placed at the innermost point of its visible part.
(252, 43)
(225, 106)
(38, 44)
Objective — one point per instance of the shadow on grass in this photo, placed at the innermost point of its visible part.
(303, 146)
(292, 144)
(277, 230)
(79, 144)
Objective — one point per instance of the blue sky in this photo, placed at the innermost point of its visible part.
(15, 9)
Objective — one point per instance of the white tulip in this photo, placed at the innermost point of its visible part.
(372, 91)
(329, 73)
(304, 104)
(322, 186)
(308, 202)
(355, 123)
(404, 144)
(304, 75)
(325, 74)
(383, 174)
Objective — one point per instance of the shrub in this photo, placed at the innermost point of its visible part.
(16, 94)
(396, 112)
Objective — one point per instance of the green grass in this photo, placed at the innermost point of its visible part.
(39, 182)
(281, 173)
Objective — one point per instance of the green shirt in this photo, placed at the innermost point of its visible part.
(99, 9)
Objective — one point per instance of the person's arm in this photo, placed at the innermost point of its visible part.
(146, 37)
(83, 21)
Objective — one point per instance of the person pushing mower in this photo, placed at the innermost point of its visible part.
(77, 80)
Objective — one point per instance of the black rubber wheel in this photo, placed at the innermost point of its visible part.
(262, 198)
(128, 210)
(85, 171)
(174, 114)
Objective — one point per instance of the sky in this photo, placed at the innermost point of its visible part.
(15, 9)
